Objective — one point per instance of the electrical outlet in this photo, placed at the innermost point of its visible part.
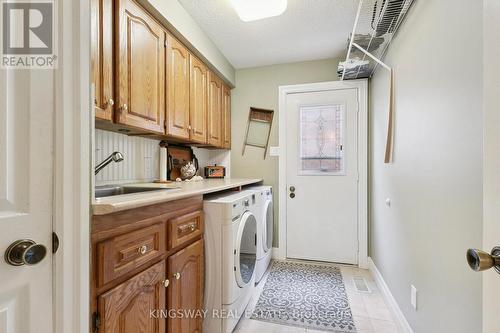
(413, 297)
(274, 151)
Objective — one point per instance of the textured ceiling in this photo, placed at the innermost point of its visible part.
(308, 30)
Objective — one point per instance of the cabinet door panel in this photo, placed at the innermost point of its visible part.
(198, 100)
(126, 308)
(177, 89)
(226, 117)
(140, 70)
(185, 271)
(102, 57)
(214, 110)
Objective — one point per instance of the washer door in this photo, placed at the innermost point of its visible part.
(246, 249)
(267, 235)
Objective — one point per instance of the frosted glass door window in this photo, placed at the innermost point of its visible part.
(321, 140)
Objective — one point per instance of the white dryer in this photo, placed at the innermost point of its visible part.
(230, 258)
(265, 226)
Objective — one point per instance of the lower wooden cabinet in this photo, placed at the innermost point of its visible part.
(185, 293)
(141, 285)
(127, 307)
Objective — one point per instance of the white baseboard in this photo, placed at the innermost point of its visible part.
(386, 293)
(275, 254)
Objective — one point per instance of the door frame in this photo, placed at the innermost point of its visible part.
(362, 89)
(72, 169)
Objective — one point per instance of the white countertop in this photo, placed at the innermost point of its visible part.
(176, 191)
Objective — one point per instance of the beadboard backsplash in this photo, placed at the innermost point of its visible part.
(142, 158)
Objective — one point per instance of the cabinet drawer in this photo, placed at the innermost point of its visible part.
(184, 228)
(122, 254)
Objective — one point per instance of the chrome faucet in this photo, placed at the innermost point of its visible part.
(115, 157)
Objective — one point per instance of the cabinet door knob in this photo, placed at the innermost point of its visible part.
(177, 276)
(166, 283)
(143, 249)
(192, 227)
(111, 102)
(124, 107)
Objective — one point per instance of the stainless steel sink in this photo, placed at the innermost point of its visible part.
(112, 190)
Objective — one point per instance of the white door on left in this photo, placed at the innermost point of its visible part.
(26, 199)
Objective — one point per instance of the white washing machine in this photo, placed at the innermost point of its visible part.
(230, 258)
(265, 226)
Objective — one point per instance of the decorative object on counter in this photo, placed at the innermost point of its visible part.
(188, 171)
(215, 171)
(177, 158)
(195, 179)
(258, 131)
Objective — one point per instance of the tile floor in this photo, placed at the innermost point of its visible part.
(371, 313)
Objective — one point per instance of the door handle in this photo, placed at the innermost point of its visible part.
(480, 261)
(25, 252)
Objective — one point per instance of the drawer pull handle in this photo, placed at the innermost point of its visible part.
(190, 227)
(166, 283)
(143, 249)
(177, 276)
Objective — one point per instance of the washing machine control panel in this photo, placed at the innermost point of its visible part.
(240, 206)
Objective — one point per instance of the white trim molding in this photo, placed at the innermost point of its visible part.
(72, 169)
(398, 315)
(275, 253)
(362, 88)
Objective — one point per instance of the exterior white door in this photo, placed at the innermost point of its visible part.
(26, 199)
(491, 173)
(322, 175)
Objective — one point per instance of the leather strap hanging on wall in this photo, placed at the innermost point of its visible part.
(389, 146)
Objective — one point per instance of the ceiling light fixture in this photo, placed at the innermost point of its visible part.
(252, 10)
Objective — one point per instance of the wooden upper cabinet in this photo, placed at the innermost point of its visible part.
(214, 110)
(102, 57)
(226, 117)
(186, 275)
(140, 69)
(126, 308)
(198, 101)
(177, 124)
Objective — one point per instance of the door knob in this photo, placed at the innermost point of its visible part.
(479, 260)
(25, 252)
(292, 195)
(177, 276)
(292, 188)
